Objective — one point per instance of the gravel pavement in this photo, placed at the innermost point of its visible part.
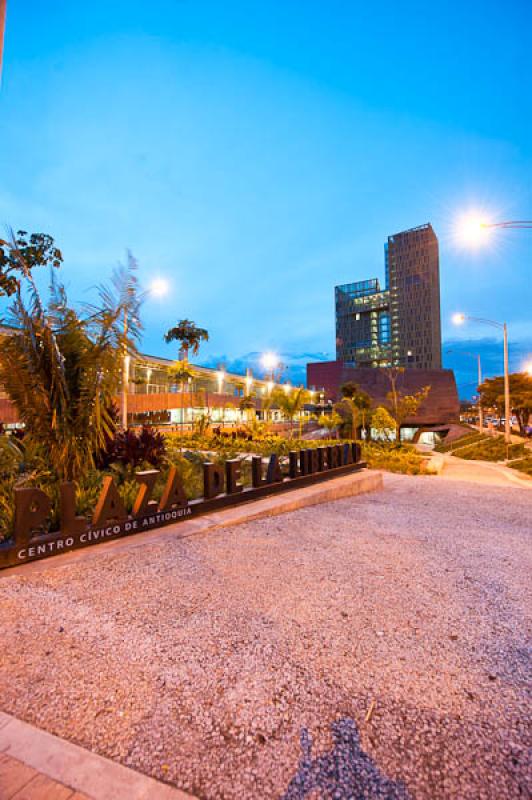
(374, 647)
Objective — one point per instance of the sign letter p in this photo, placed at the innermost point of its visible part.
(32, 507)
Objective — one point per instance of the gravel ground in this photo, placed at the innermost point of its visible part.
(374, 647)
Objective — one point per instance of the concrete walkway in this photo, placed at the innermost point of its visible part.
(34, 765)
(481, 472)
(450, 467)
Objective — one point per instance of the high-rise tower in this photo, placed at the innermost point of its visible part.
(400, 324)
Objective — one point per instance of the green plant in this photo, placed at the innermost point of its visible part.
(402, 405)
(61, 370)
(492, 396)
(131, 449)
(190, 337)
(383, 423)
(291, 403)
(394, 457)
(330, 421)
(11, 456)
(21, 255)
(201, 424)
(357, 403)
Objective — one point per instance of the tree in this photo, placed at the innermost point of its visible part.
(355, 406)
(189, 335)
(383, 422)
(247, 406)
(61, 370)
(402, 405)
(190, 338)
(181, 372)
(291, 403)
(492, 396)
(21, 255)
(330, 421)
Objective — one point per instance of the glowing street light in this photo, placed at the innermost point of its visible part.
(159, 287)
(459, 319)
(474, 228)
(270, 361)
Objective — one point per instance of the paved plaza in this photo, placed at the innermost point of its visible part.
(371, 647)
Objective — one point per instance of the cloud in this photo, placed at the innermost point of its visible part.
(458, 355)
(294, 365)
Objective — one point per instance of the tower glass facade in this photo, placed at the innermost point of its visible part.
(400, 324)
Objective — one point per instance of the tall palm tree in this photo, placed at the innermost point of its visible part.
(190, 337)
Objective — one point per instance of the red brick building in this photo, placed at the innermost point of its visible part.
(441, 407)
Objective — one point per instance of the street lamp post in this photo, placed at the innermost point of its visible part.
(3, 4)
(157, 288)
(458, 319)
(480, 411)
(125, 374)
(515, 223)
(472, 228)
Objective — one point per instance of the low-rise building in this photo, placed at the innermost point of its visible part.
(442, 406)
(157, 397)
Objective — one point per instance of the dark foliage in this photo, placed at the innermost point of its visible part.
(132, 449)
(20, 255)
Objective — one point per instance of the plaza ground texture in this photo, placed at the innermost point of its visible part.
(371, 647)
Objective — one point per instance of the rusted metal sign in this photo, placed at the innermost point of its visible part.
(110, 520)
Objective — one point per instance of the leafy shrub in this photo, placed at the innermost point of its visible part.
(11, 456)
(131, 449)
(403, 458)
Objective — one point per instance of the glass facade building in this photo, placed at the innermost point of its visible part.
(400, 324)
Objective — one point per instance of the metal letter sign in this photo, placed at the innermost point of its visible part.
(221, 488)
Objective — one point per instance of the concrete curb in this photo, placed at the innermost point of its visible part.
(334, 489)
(79, 769)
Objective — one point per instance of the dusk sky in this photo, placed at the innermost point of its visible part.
(255, 154)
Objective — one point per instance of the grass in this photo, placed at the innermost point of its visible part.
(466, 439)
(523, 465)
(481, 447)
(490, 448)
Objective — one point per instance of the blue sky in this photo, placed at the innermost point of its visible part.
(255, 154)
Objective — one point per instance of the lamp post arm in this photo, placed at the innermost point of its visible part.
(514, 223)
(492, 322)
